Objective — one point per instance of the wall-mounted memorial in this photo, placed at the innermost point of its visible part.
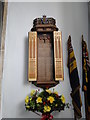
(45, 60)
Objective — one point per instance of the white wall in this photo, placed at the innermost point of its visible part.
(71, 18)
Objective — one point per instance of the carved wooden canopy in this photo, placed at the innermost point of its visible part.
(45, 63)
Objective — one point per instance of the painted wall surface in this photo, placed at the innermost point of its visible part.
(71, 18)
(0, 22)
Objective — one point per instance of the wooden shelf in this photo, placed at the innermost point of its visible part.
(45, 84)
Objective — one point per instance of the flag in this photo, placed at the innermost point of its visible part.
(74, 80)
(86, 72)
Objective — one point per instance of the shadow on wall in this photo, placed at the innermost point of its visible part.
(26, 61)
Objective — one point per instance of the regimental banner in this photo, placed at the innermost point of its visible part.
(58, 56)
(32, 62)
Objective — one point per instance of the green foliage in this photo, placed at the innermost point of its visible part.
(45, 102)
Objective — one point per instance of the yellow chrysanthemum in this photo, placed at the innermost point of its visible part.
(27, 99)
(63, 99)
(56, 92)
(51, 99)
(39, 100)
(32, 92)
(47, 108)
(49, 91)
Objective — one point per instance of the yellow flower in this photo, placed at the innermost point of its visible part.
(30, 99)
(47, 108)
(27, 99)
(27, 106)
(51, 99)
(56, 92)
(32, 92)
(56, 105)
(49, 91)
(63, 99)
(39, 100)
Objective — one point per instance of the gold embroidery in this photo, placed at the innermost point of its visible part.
(73, 65)
(71, 54)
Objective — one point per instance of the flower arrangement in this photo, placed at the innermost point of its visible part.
(45, 102)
